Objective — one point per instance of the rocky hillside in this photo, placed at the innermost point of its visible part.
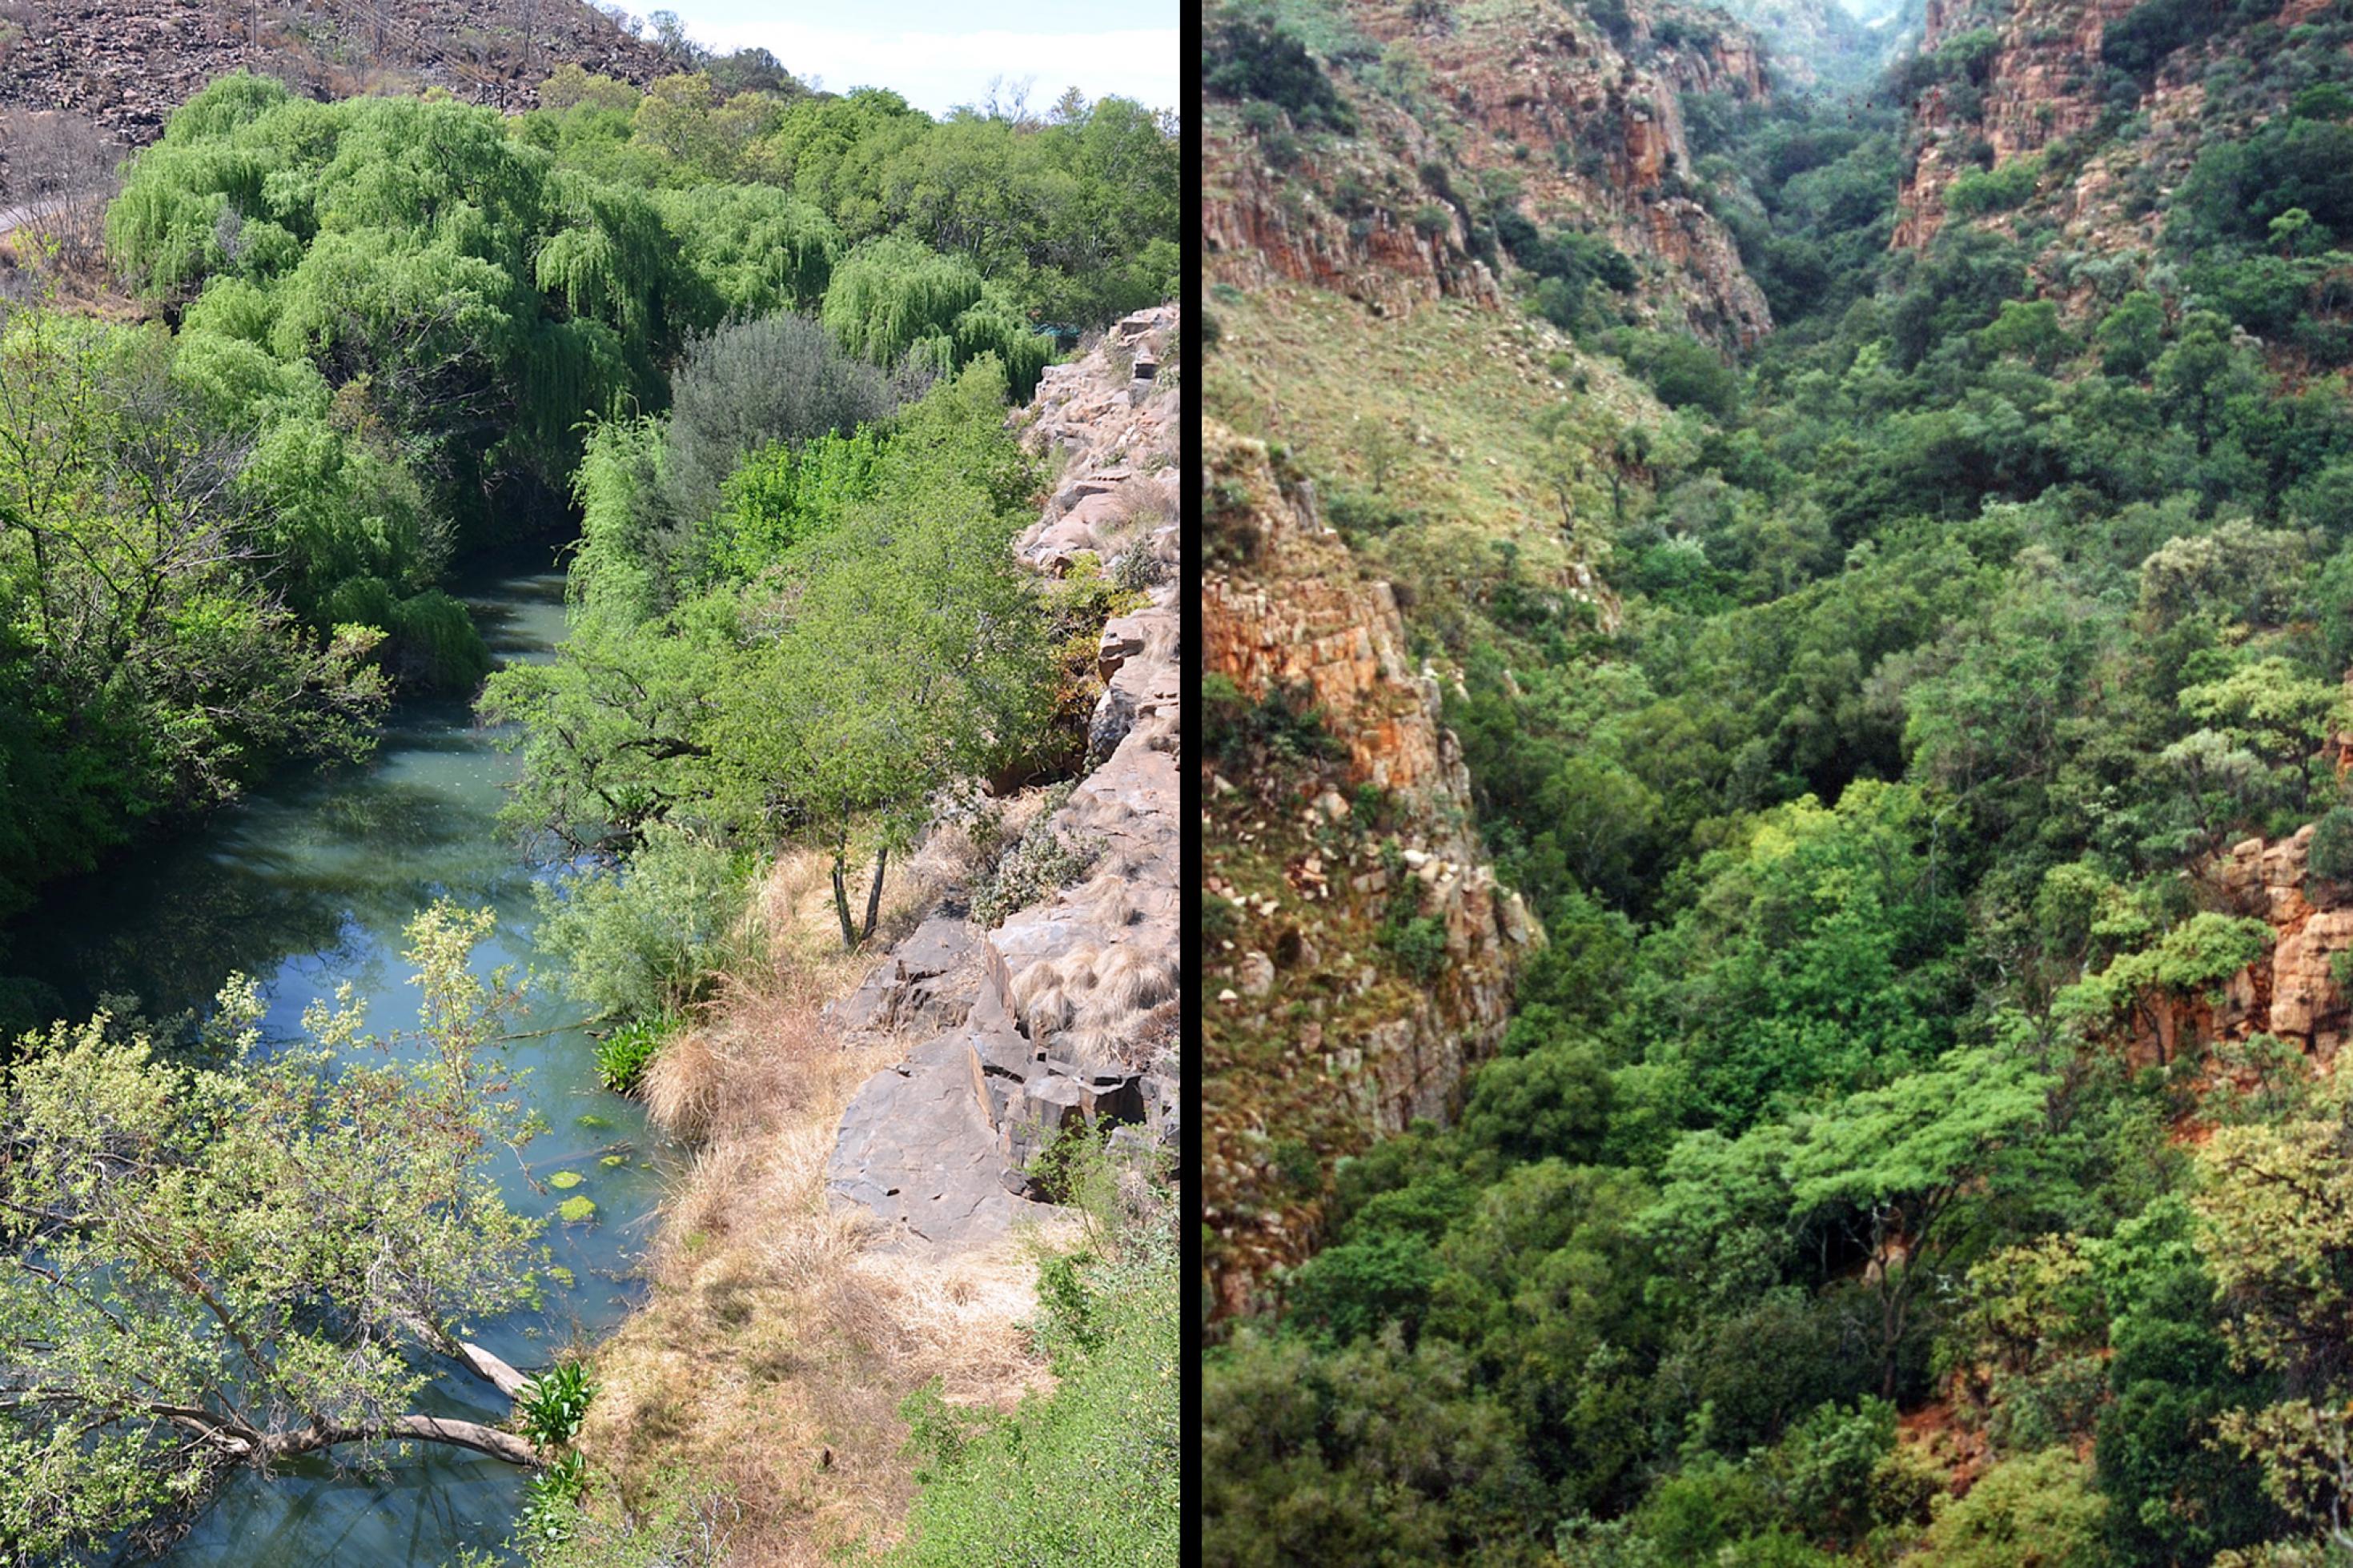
(1062, 1010)
(1562, 120)
(1359, 955)
(2084, 117)
(126, 64)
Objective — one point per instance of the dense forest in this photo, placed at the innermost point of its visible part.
(1869, 1172)
(745, 354)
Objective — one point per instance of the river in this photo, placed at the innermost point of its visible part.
(307, 884)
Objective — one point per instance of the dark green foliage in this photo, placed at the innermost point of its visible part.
(1685, 372)
(1283, 725)
(1245, 56)
(2332, 846)
(1354, 1290)
(1993, 190)
(2143, 36)
(1552, 1103)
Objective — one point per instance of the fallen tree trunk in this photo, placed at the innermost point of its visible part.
(502, 1376)
(443, 1429)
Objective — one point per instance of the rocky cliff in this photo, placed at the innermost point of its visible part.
(1569, 123)
(2114, 129)
(1318, 1036)
(2041, 83)
(1062, 1013)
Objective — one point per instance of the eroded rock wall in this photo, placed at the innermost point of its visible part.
(1315, 1041)
(1589, 135)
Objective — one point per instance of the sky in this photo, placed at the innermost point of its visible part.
(939, 53)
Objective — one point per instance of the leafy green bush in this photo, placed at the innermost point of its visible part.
(641, 940)
(550, 1505)
(550, 1409)
(1994, 190)
(1684, 372)
(2331, 856)
(623, 1056)
(1419, 945)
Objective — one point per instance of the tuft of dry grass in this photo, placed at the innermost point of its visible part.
(779, 1342)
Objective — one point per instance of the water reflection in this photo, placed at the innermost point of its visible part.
(307, 886)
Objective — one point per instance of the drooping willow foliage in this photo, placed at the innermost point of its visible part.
(894, 301)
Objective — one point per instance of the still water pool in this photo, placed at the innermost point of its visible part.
(306, 885)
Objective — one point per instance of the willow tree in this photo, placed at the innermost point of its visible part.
(892, 301)
(238, 1263)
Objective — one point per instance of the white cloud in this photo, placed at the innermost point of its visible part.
(936, 71)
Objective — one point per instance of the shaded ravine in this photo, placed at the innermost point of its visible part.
(306, 885)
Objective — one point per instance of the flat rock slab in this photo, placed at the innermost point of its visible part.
(915, 1151)
(925, 986)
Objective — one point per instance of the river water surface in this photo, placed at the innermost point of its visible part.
(305, 885)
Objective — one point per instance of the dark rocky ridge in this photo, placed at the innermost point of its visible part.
(125, 65)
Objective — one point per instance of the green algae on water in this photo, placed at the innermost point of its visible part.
(563, 1179)
(574, 1210)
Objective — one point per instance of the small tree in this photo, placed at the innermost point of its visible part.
(215, 1266)
(909, 648)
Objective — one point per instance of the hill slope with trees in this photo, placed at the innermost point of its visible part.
(1915, 1138)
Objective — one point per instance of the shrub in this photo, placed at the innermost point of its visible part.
(1244, 57)
(623, 1055)
(551, 1406)
(2042, 1503)
(1040, 862)
(641, 940)
(1419, 945)
(2141, 38)
(749, 385)
(1282, 726)
(1994, 190)
(2332, 846)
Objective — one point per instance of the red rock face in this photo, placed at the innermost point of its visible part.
(1381, 261)
(1591, 140)
(2042, 84)
(2291, 992)
(1301, 615)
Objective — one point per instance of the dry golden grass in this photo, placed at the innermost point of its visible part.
(779, 1343)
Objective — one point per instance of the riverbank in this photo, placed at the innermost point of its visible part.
(759, 1403)
(769, 1364)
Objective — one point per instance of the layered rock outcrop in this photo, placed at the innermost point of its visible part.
(2042, 83)
(2291, 992)
(1316, 1039)
(1585, 132)
(1064, 1012)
